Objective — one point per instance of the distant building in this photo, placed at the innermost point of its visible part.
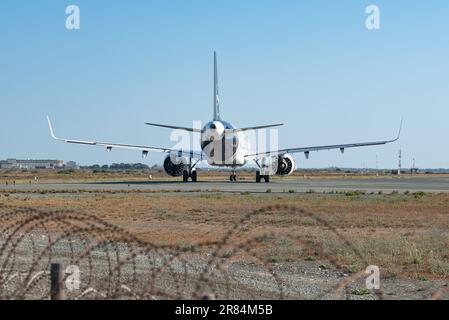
(31, 164)
(71, 165)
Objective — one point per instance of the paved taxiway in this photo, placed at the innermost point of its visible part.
(412, 184)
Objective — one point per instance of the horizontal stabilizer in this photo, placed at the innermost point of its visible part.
(227, 130)
(256, 128)
(172, 127)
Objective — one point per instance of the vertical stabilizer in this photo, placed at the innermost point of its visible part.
(216, 100)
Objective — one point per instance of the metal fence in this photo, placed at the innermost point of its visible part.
(66, 254)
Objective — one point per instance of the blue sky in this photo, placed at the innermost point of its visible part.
(310, 64)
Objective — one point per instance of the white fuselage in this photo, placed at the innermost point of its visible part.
(221, 146)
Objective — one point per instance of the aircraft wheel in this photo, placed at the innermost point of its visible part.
(194, 176)
(266, 178)
(258, 176)
(185, 176)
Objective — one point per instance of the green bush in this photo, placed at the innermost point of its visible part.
(361, 291)
(355, 193)
(419, 195)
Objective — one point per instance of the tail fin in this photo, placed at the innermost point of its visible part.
(216, 100)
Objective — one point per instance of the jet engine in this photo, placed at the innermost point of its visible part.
(286, 165)
(173, 169)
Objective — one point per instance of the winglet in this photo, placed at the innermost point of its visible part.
(400, 129)
(51, 129)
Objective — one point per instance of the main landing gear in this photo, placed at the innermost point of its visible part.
(259, 177)
(186, 175)
(233, 176)
(190, 172)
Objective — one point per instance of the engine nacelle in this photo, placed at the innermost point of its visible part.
(173, 169)
(286, 165)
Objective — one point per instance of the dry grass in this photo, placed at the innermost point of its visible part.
(75, 176)
(403, 234)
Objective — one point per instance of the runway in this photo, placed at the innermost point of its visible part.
(372, 184)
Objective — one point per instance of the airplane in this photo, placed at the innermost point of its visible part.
(222, 145)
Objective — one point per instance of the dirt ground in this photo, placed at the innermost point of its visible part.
(405, 235)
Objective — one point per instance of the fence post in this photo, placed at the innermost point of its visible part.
(56, 285)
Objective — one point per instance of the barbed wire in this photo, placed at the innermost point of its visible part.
(116, 264)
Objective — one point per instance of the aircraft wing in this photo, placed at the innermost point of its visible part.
(145, 149)
(307, 150)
